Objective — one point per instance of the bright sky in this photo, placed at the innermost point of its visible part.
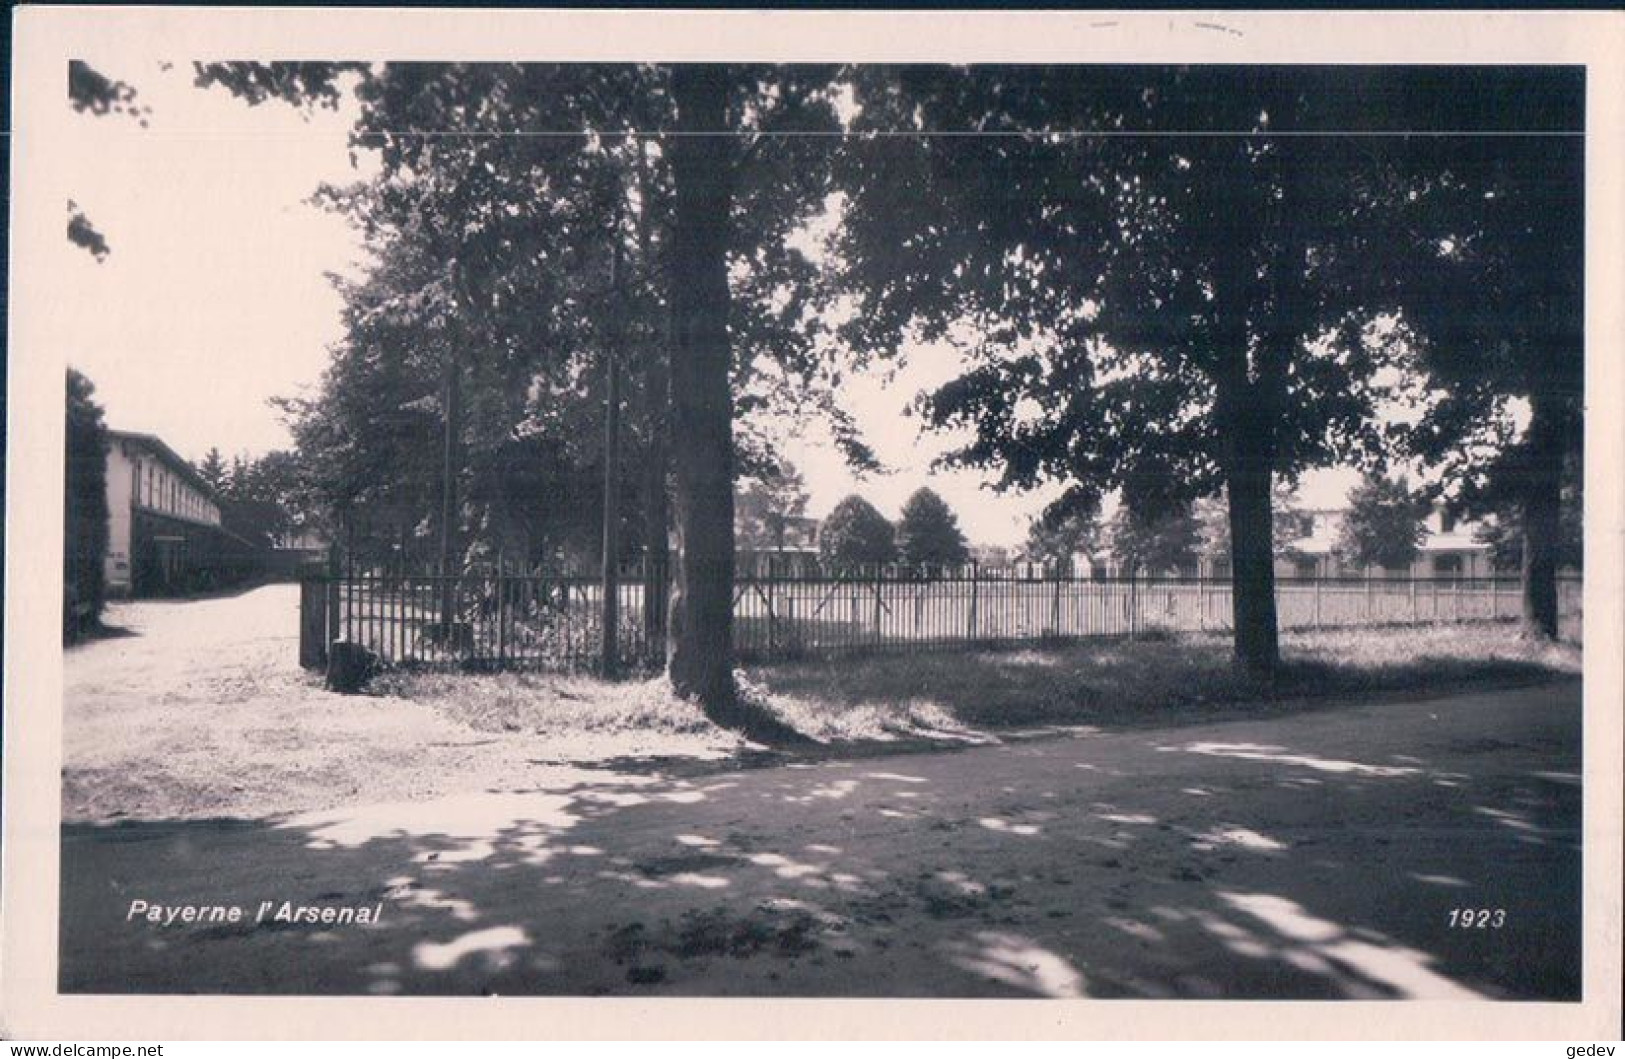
(214, 300)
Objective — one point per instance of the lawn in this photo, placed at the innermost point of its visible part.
(971, 694)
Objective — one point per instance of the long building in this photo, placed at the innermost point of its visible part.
(164, 531)
(1450, 548)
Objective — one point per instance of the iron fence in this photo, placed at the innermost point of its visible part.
(553, 620)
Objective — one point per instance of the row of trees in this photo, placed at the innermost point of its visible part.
(927, 533)
(1168, 317)
(266, 500)
(770, 499)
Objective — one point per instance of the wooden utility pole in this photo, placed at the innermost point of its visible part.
(656, 398)
(448, 488)
(610, 647)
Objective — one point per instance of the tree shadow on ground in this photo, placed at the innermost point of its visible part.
(1157, 866)
(98, 633)
(1115, 685)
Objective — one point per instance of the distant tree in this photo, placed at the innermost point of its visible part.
(765, 503)
(1156, 543)
(1383, 524)
(264, 499)
(212, 468)
(855, 534)
(928, 532)
(85, 514)
(1056, 538)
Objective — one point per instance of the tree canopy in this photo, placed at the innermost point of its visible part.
(502, 239)
(1057, 538)
(1162, 542)
(765, 503)
(856, 534)
(1157, 314)
(1382, 525)
(928, 532)
(1485, 256)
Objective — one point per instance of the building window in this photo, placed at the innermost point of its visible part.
(1447, 520)
(1307, 568)
(1447, 565)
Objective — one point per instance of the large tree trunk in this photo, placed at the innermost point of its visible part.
(700, 664)
(1542, 493)
(1249, 446)
(1252, 572)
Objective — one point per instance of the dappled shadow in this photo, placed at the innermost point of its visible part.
(1212, 866)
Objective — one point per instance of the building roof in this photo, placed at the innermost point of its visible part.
(168, 457)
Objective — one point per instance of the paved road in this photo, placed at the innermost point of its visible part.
(1318, 856)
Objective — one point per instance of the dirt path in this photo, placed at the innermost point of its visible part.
(198, 709)
(1319, 855)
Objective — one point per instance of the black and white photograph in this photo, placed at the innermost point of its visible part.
(723, 521)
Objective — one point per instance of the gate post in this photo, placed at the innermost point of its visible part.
(312, 624)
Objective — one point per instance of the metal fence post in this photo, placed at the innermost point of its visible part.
(975, 577)
(772, 640)
(331, 632)
(878, 605)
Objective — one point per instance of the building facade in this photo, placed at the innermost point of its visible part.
(1450, 548)
(164, 532)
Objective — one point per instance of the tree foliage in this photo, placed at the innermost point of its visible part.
(1382, 525)
(1159, 543)
(928, 532)
(265, 500)
(504, 235)
(1161, 315)
(214, 470)
(1056, 538)
(1486, 258)
(855, 534)
(92, 92)
(85, 518)
(764, 504)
